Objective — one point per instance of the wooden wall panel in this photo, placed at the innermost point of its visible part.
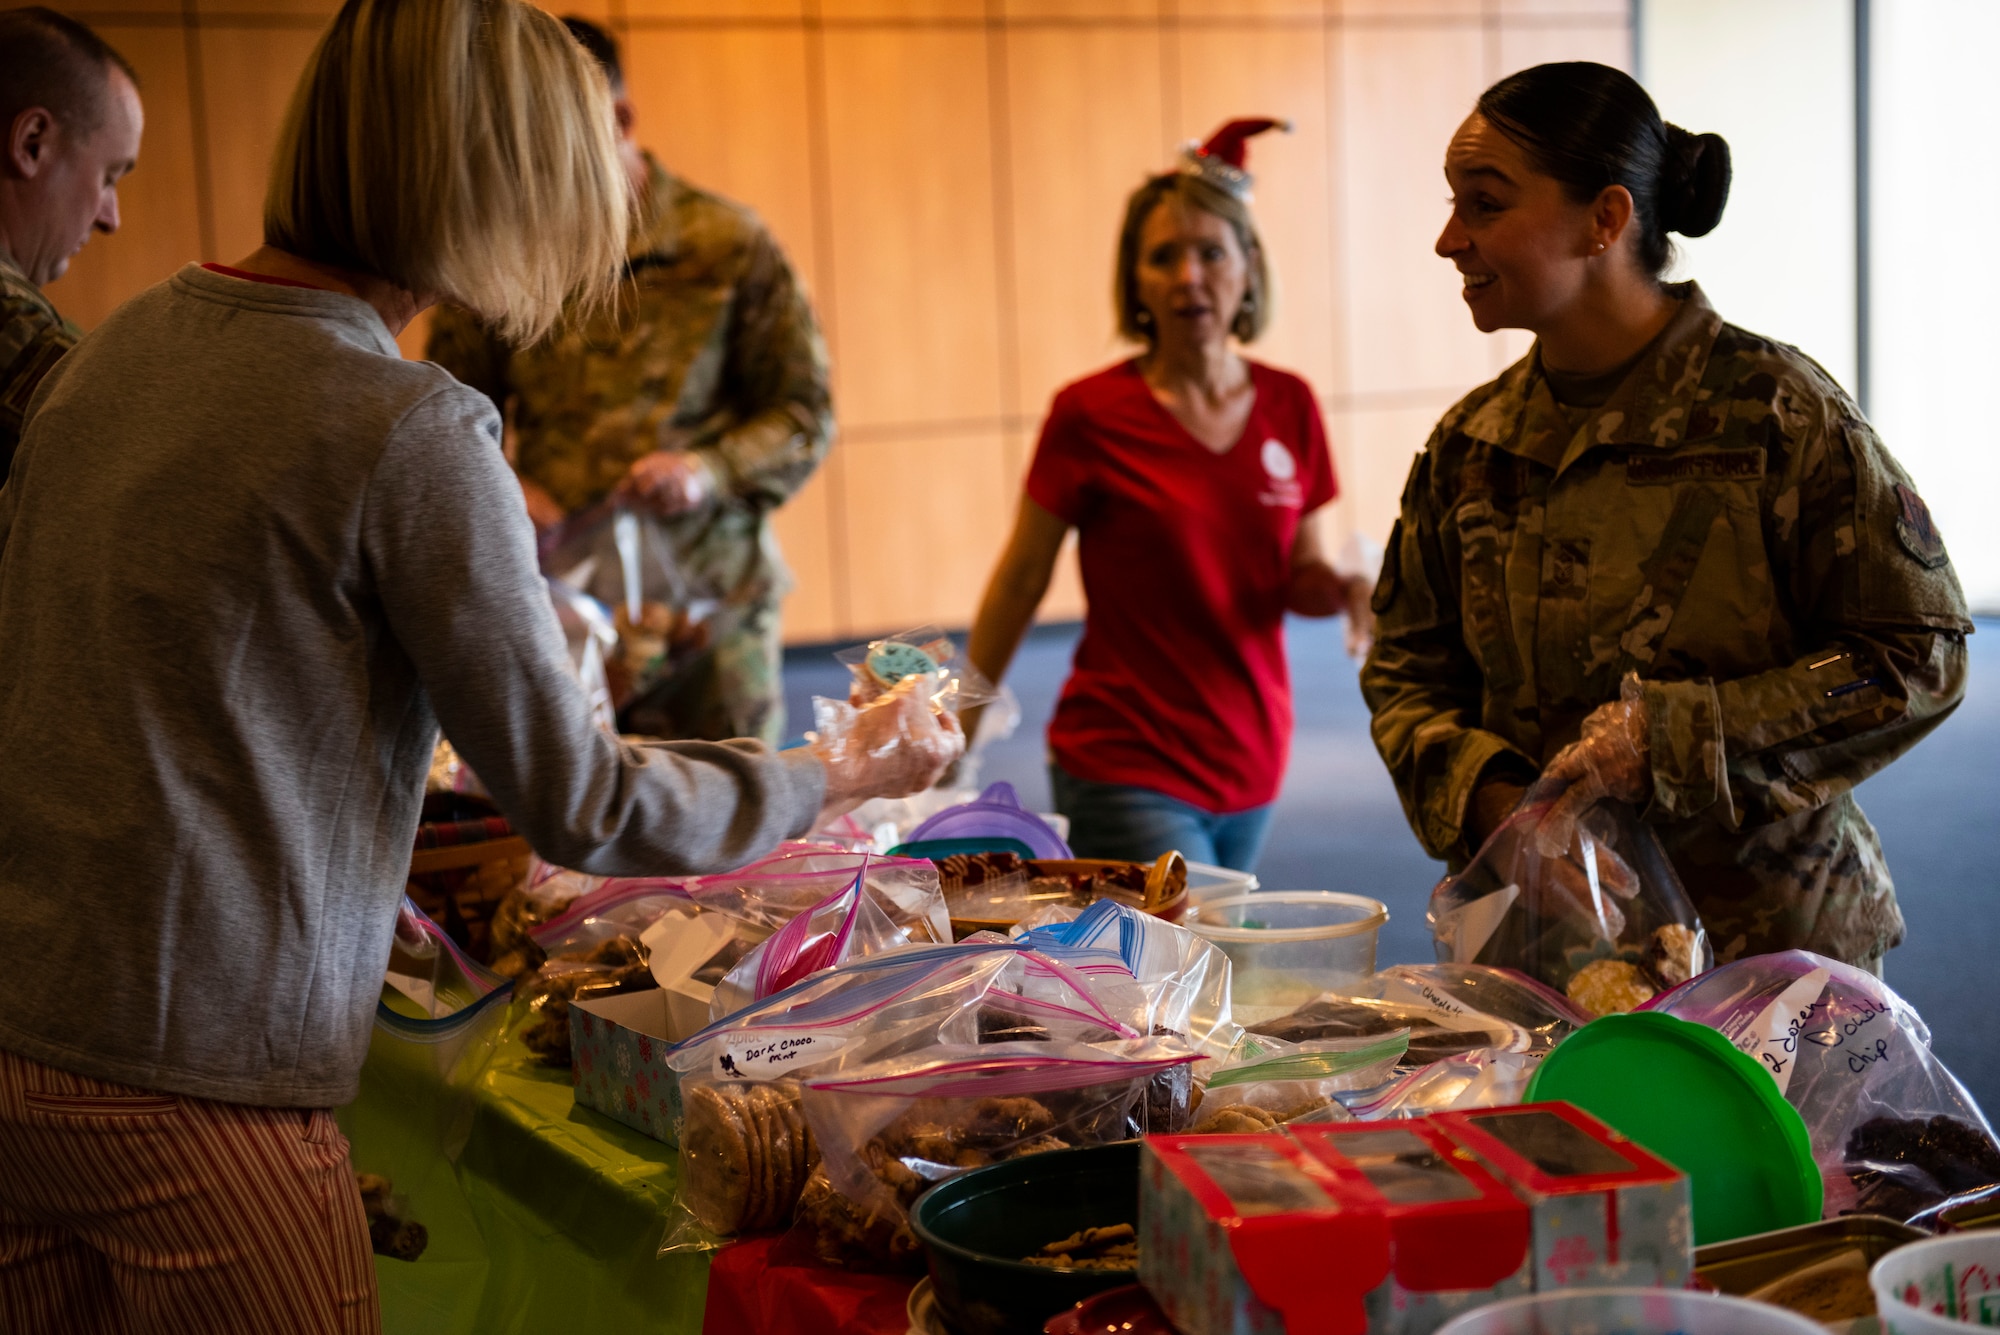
(1405, 91)
(926, 518)
(159, 222)
(911, 190)
(1605, 43)
(805, 532)
(1372, 450)
(1278, 71)
(1077, 11)
(726, 108)
(1084, 131)
(947, 176)
(247, 79)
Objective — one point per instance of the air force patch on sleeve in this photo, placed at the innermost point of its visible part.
(1917, 533)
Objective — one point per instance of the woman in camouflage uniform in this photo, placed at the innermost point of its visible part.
(1654, 494)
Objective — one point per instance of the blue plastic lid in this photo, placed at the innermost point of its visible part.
(996, 814)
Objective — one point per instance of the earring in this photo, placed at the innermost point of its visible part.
(1597, 249)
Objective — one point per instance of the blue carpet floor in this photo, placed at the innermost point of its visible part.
(1339, 827)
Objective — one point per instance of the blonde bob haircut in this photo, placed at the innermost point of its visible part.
(1185, 190)
(461, 149)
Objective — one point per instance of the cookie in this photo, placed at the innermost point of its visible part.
(757, 1141)
(1610, 987)
(775, 1177)
(716, 1159)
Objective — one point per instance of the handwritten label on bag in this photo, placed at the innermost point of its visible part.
(1773, 1038)
(1450, 1013)
(767, 1054)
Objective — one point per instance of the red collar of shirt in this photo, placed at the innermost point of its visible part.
(249, 277)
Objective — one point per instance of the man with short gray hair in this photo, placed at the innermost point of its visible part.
(69, 107)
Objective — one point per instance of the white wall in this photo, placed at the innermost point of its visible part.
(1935, 345)
(1774, 78)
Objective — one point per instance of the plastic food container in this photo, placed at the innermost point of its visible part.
(997, 813)
(1630, 1312)
(1940, 1287)
(1285, 947)
(1206, 882)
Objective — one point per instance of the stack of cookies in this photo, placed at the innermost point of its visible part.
(746, 1152)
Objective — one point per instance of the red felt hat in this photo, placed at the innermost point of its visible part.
(1223, 160)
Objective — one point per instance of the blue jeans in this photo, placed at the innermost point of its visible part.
(1134, 824)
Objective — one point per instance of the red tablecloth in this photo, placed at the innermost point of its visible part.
(754, 1289)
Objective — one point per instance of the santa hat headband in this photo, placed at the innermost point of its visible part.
(1223, 160)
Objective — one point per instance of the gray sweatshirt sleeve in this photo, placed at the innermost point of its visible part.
(452, 556)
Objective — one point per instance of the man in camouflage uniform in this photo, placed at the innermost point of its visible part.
(1727, 527)
(701, 395)
(70, 107)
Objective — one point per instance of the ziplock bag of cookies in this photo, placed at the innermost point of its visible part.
(759, 899)
(1448, 1010)
(1268, 1082)
(614, 965)
(1602, 919)
(886, 1005)
(923, 651)
(1184, 977)
(663, 616)
(889, 1129)
(906, 1001)
(746, 1151)
(845, 925)
(1893, 1132)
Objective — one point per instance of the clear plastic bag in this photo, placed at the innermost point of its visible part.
(846, 925)
(889, 1129)
(592, 634)
(608, 967)
(624, 559)
(1267, 1082)
(1591, 907)
(1185, 978)
(925, 651)
(1892, 1130)
(973, 995)
(1480, 1078)
(438, 1022)
(764, 896)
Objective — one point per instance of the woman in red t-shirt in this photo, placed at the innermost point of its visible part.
(1192, 476)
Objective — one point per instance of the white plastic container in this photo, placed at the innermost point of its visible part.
(1206, 881)
(1941, 1286)
(1285, 947)
(1630, 1312)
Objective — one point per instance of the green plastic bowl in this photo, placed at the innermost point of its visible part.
(976, 1228)
(1684, 1092)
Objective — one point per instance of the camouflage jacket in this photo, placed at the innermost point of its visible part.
(33, 338)
(1729, 527)
(711, 347)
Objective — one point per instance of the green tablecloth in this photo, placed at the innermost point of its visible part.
(549, 1219)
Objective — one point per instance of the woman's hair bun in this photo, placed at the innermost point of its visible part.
(1694, 182)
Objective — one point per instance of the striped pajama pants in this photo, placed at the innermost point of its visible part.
(128, 1210)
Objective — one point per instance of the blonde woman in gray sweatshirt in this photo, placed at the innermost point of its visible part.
(250, 561)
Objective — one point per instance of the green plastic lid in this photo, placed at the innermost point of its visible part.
(1683, 1092)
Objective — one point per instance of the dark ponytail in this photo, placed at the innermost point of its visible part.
(1591, 126)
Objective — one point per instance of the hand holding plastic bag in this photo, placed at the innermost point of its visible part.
(1603, 920)
(897, 744)
(1613, 759)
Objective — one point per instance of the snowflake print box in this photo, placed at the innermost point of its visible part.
(620, 1066)
(1384, 1230)
(1606, 1213)
(1458, 1237)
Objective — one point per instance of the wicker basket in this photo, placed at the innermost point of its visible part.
(460, 872)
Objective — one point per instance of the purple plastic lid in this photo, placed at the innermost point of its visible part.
(996, 814)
